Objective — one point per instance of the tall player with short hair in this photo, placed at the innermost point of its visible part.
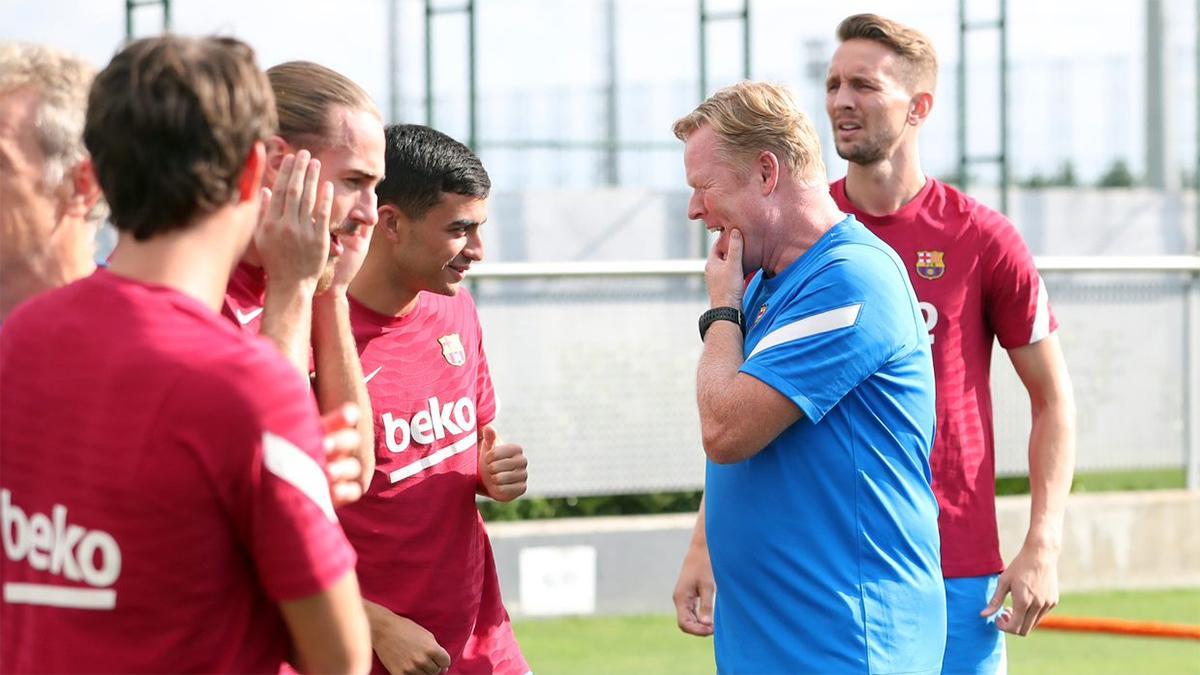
(433, 596)
(162, 494)
(977, 284)
(291, 285)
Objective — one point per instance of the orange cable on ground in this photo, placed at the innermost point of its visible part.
(1120, 627)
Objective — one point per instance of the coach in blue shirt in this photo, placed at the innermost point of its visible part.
(816, 398)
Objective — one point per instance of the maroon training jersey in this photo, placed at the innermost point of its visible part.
(162, 487)
(422, 549)
(976, 282)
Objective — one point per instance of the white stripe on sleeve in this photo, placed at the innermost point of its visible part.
(291, 465)
(1041, 317)
(816, 324)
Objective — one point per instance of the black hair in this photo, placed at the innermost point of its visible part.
(422, 164)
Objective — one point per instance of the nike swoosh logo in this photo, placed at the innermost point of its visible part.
(246, 317)
(373, 374)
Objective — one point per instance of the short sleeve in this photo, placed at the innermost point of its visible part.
(838, 327)
(265, 457)
(1015, 298)
(485, 394)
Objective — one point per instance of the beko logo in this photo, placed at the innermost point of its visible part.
(48, 543)
(430, 424)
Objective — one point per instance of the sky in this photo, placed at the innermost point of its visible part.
(1076, 78)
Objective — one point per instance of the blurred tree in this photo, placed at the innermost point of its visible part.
(1117, 176)
(1064, 178)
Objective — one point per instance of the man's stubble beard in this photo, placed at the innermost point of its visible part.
(325, 281)
(863, 154)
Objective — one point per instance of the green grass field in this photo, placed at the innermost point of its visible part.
(652, 644)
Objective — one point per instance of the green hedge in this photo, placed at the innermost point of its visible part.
(687, 502)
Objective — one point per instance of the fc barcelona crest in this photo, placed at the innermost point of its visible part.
(761, 310)
(452, 349)
(931, 264)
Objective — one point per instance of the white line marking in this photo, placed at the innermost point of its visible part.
(373, 374)
(461, 445)
(60, 596)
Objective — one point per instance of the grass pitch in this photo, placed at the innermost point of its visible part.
(653, 645)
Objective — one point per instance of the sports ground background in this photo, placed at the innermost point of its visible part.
(593, 283)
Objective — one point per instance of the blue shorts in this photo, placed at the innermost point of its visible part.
(974, 645)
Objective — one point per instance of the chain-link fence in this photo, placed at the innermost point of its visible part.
(596, 374)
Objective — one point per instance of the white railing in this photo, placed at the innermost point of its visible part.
(656, 268)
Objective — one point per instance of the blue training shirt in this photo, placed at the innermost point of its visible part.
(824, 545)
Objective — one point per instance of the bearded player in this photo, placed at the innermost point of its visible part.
(290, 287)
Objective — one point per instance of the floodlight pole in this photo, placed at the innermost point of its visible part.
(707, 17)
(612, 171)
(467, 8)
(1191, 345)
(1158, 164)
(133, 5)
(393, 66)
(965, 158)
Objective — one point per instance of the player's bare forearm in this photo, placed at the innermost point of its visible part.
(1032, 576)
(329, 629)
(402, 645)
(739, 414)
(378, 617)
(1051, 468)
(1042, 369)
(287, 320)
(699, 536)
(719, 363)
(339, 377)
(695, 587)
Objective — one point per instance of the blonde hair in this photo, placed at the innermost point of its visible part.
(305, 96)
(917, 55)
(750, 117)
(61, 82)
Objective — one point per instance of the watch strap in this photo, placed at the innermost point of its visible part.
(720, 314)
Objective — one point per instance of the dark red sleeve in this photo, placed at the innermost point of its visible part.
(1015, 298)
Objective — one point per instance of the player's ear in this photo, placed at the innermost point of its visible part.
(919, 108)
(767, 169)
(389, 222)
(277, 149)
(85, 187)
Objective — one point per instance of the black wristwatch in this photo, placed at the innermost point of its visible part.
(721, 314)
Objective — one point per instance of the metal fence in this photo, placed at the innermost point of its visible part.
(595, 363)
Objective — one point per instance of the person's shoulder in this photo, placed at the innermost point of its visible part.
(462, 300)
(238, 384)
(246, 362)
(994, 234)
(860, 260)
(42, 315)
(858, 245)
(456, 310)
(971, 211)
